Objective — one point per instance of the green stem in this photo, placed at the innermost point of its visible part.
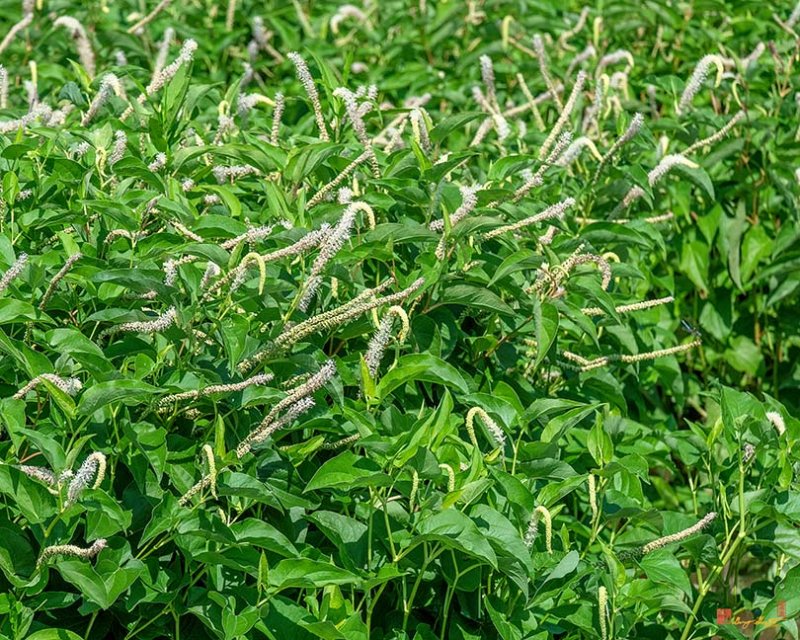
(705, 586)
(388, 529)
(137, 631)
(91, 624)
(448, 598)
(410, 602)
(51, 526)
(371, 607)
(369, 527)
(428, 558)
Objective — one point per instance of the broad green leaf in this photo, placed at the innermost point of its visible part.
(566, 566)
(662, 566)
(557, 426)
(347, 471)
(53, 634)
(454, 529)
(12, 311)
(476, 297)
(129, 392)
(545, 317)
(302, 573)
(421, 368)
(26, 495)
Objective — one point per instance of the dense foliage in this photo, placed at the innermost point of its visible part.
(397, 321)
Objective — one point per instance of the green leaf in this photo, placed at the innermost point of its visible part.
(694, 263)
(252, 531)
(558, 425)
(663, 567)
(756, 247)
(347, 471)
(501, 623)
(307, 574)
(12, 311)
(545, 319)
(476, 297)
(348, 534)
(10, 180)
(450, 123)
(230, 201)
(73, 343)
(744, 355)
(132, 392)
(307, 158)
(421, 367)
(599, 444)
(700, 178)
(136, 279)
(734, 229)
(26, 495)
(17, 558)
(234, 336)
(566, 565)
(454, 529)
(53, 634)
(504, 538)
(82, 575)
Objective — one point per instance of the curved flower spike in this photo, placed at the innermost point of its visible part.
(13, 271)
(71, 550)
(698, 78)
(602, 605)
(491, 426)
(451, 476)
(241, 271)
(82, 43)
(208, 480)
(382, 336)
(304, 75)
(533, 528)
(681, 535)
(162, 323)
(70, 386)
(93, 467)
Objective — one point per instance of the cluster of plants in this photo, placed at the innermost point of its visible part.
(414, 320)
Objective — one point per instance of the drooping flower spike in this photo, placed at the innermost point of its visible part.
(160, 79)
(698, 77)
(540, 512)
(71, 550)
(577, 89)
(14, 30)
(667, 164)
(361, 304)
(13, 271)
(162, 323)
(584, 364)
(544, 69)
(491, 426)
(208, 480)
(70, 386)
(93, 467)
(82, 44)
(297, 401)
(377, 344)
(307, 81)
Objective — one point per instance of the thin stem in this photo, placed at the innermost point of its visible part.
(731, 547)
(407, 605)
(91, 624)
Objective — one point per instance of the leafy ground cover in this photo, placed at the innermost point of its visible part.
(400, 320)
